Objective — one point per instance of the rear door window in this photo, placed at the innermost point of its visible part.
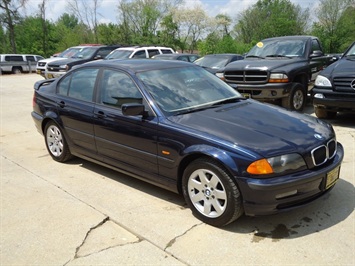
(166, 51)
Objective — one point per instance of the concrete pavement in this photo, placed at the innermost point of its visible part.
(79, 213)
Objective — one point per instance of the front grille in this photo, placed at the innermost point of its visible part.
(41, 64)
(323, 153)
(248, 76)
(343, 84)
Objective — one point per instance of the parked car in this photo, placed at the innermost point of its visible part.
(182, 57)
(175, 125)
(86, 54)
(139, 52)
(280, 70)
(68, 53)
(215, 63)
(334, 89)
(18, 63)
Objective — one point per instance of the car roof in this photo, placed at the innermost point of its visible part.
(138, 65)
(222, 55)
(293, 37)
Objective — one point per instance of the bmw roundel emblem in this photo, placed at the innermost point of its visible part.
(318, 136)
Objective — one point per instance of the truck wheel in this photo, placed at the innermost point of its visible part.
(297, 98)
(323, 113)
(210, 192)
(16, 70)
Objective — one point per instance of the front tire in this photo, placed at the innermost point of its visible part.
(211, 194)
(16, 70)
(56, 143)
(296, 99)
(323, 113)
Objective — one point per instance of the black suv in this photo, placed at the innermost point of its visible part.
(334, 89)
(58, 68)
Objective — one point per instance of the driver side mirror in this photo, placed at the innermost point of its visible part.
(316, 53)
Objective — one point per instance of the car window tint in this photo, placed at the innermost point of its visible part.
(118, 88)
(184, 58)
(166, 51)
(30, 58)
(18, 58)
(153, 52)
(139, 54)
(103, 52)
(82, 84)
(63, 86)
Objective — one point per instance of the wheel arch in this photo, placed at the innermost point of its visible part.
(220, 157)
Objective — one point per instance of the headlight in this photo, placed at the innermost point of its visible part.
(276, 165)
(220, 75)
(65, 67)
(278, 78)
(322, 81)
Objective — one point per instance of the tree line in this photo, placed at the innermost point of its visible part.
(171, 23)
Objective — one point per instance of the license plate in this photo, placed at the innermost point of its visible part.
(332, 177)
(246, 95)
(50, 76)
(39, 72)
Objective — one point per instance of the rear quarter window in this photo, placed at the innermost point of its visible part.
(166, 51)
(17, 58)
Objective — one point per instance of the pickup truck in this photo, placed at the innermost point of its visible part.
(280, 69)
(334, 89)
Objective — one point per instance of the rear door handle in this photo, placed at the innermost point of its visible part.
(100, 114)
(61, 104)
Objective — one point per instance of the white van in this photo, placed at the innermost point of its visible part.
(18, 63)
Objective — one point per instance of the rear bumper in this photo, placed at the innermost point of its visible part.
(37, 118)
(273, 195)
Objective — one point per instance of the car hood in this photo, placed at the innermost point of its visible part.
(262, 128)
(67, 61)
(264, 64)
(343, 67)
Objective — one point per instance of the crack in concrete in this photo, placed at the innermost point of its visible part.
(88, 233)
(172, 241)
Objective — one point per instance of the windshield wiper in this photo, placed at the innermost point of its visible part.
(277, 55)
(254, 56)
(231, 100)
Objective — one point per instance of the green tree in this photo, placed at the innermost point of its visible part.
(271, 18)
(335, 23)
(9, 17)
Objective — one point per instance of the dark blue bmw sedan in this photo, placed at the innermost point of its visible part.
(178, 126)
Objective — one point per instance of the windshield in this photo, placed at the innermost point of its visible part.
(179, 90)
(287, 48)
(351, 51)
(85, 53)
(212, 61)
(119, 54)
(69, 52)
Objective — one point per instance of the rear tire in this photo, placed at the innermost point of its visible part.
(296, 99)
(211, 194)
(323, 113)
(16, 70)
(56, 143)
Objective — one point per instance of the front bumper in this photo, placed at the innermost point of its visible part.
(52, 74)
(263, 92)
(273, 195)
(334, 101)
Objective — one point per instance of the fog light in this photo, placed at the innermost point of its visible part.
(273, 93)
(286, 194)
(319, 96)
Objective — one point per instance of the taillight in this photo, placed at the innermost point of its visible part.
(34, 100)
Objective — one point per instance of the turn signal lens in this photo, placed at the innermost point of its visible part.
(260, 167)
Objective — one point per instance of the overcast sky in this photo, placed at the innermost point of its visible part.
(108, 8)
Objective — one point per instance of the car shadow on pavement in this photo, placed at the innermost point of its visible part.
(319, 215)
(323, 213)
